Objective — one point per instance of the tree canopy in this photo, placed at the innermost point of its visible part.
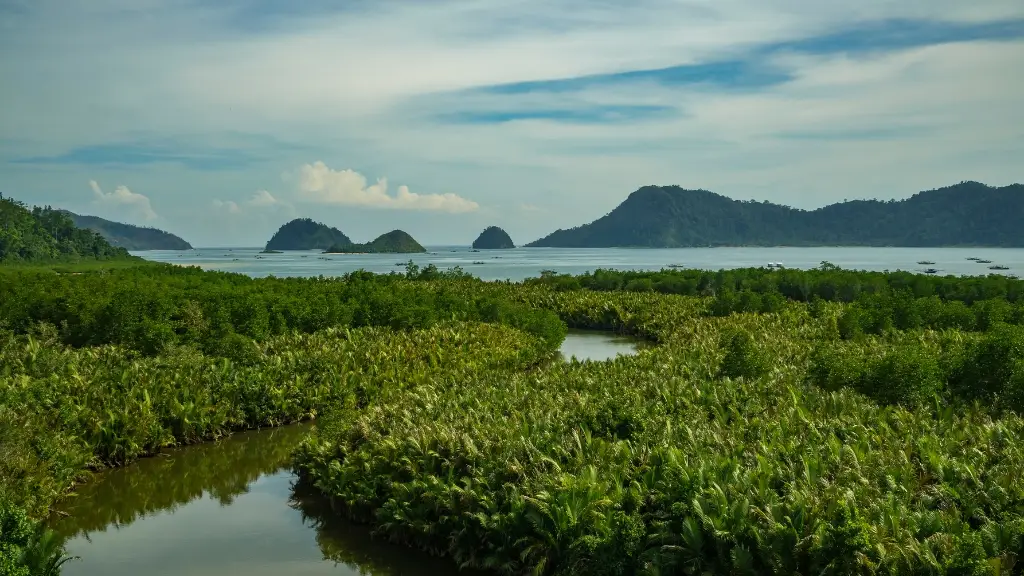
(305, 234)
(394, 242)
(46, 235)
(493, 238)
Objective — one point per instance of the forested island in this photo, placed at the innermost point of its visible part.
(493, 238)
(394, 242)
(44, 234)
(967, 214)
(305, 234)
(128, 236)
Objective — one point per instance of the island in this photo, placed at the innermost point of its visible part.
(493, 238)
(394, 242)
(129, 236)
(45, 235)
(305, 234)
(966, 214)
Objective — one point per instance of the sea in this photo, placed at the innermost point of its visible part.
(519, 263)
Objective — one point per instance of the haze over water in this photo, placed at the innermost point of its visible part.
(519, 263)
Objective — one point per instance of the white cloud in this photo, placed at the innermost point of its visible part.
(122, 196)
(229, 206)
(319, 183)
(261, 200)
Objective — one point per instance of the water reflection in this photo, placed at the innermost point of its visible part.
(597, 346)
(221, 508)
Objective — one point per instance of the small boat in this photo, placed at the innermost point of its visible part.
(478, 262)
(926, 262)
(998, 267)
(930, 271)
(974, 258)
(675, 266)
(775, 265)
(983, 261)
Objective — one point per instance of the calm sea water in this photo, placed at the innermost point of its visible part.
(519, 263)
(232, 508)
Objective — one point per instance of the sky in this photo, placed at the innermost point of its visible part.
(220, 120)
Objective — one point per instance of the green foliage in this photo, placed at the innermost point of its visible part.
(743, 358)
(43, 235)
(493, 238)
(968, 213)
(305, 234)
(149, 309)
(27, 548)
(440, 422)
(394, 242)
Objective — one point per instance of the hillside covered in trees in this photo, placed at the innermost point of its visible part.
(128, 236)
(493, 238)
(305, 234)
(967, 214)
(394, 242)
(48, 235)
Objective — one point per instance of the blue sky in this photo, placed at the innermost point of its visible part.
(222, 120)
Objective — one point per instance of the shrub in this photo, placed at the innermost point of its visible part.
(743, 358)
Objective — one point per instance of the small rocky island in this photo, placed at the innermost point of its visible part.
(493, 238)
(394, 242)
(305, 234)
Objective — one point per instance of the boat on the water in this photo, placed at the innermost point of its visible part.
(775, 265)
(931, 271)
(926, 262)
(998, 267)
(983, 261)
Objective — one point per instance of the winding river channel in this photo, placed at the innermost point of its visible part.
(231, 507)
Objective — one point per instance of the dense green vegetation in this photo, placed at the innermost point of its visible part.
(45, 235)
(394, 242)
(128, 236)
(771, 430)
(968, 213)
(305, 234)
(493, 238)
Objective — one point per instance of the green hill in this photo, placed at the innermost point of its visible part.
(42, 235)
(305, 234)
(128, 236)
(967, 214)
(493, 238)
(394, 242)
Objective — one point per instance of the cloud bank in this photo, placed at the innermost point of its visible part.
(319, 183)
(123, 197)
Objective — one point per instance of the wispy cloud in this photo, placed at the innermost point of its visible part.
(144, 153)
(320, 184)
(581, 114)
(123, 197)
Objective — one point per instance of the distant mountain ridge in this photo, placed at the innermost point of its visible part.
(305, 234)
(966, 214)
(128, 236)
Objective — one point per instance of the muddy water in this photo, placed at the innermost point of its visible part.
(219, 509)
(597, 346)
